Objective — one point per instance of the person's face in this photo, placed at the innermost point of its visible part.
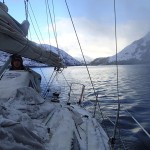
(17, 64)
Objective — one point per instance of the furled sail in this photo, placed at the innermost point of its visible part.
(13, 40)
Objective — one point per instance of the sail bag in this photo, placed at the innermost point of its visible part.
(13, 40)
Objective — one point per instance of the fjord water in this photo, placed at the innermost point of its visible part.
(134, 95)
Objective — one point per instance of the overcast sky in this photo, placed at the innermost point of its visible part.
(94, 22)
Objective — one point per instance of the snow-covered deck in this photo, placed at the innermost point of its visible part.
(49, 126)
(29, 122)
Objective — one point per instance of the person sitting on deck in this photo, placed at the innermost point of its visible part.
(17, 63)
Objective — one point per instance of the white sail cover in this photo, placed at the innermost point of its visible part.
(13, 40)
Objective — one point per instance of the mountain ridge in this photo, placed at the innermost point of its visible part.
(138, 52)
(68, 59)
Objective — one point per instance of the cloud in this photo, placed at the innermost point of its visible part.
(96, 39)
(131, 31)
(95, 26)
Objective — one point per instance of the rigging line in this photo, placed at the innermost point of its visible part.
(44, 93)
(22, 50)
(26, 8)
(65, 79)
(50, 15)
(36, 22)
(55, 34)
(105, 126)
(47, 23)
(80, 48)
(48, 85)
(37, 26)
(54, 14)
(122, 140)
(97, 103)
(100, 110)
(43, 75)
(35, 32)
(47, 8)
(116, 45)
(30, 34)
(49, 37)
(52, 82)
(50, 47)
(69, 85)
(102, 115)
(34, 28)
(54, 30)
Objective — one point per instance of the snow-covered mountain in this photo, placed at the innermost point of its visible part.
(100, 61)
(137, 52)
(87, 58)
(69, 60)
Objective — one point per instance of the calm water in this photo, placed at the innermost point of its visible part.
(134, 95)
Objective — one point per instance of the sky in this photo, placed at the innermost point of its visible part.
(94, 23)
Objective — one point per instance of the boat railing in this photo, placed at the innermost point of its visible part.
(76, 87)
(73, 93)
